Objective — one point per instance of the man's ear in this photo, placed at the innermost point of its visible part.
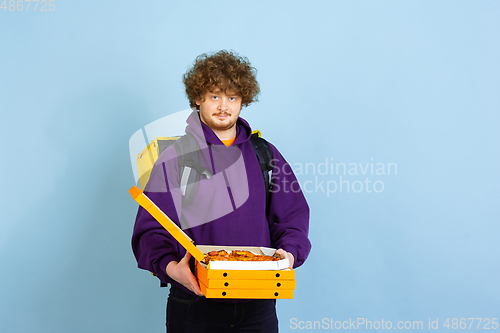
(198, 101)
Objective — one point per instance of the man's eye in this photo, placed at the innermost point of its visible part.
(232, 98)
(214, 97)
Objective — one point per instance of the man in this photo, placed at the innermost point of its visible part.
(229, 207)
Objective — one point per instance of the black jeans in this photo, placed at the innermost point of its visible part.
(190, 313)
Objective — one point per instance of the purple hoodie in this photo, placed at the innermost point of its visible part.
(227, 209)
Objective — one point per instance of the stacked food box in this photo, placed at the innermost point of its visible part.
(245, 279)
(229, 279)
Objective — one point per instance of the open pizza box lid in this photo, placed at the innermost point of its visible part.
(198, 251)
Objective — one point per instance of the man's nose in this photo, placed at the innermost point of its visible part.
(223, 104)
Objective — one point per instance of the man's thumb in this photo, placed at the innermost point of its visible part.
(187, 256)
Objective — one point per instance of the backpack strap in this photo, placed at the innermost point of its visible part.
(265, 157)
(188, 152)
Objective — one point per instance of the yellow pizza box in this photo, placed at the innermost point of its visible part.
(254, 284)
(247, 293)
(203, 273)
(249, 284)
(274, 271)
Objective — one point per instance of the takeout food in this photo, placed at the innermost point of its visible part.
(247, 276)
(237, 255)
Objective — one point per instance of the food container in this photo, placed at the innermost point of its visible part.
(245, 279)
(229, 279)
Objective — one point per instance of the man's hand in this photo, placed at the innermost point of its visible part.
(180, 272)
(286, 255)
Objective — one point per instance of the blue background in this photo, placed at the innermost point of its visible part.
(415, 83)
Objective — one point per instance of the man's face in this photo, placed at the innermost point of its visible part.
(220, 111)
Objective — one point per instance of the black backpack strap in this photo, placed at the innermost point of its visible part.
(265, 157)
(188, 152)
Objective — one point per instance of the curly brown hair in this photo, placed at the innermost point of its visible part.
(221, 71)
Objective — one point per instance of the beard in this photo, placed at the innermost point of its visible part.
(219, 125)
